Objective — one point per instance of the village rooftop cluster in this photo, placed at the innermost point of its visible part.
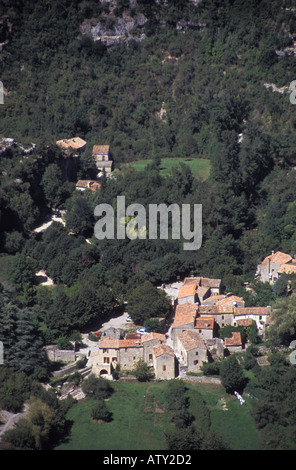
(199, 310)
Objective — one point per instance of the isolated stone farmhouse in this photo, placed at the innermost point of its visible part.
(101, 155)
(273, 265)
(192, 339)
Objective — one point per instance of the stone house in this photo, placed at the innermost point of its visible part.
(191, 350)
(101, 155)
(188, 293)
(261, 315)
(205, 327)
(149, 341)
(130, 351)
(82, 185)
(106, 357)
(184, 319)
(223, 315)
(233, 344)
(164, 362)
(73, 146)
(269, 269)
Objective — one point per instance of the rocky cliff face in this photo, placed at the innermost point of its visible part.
(110, 29)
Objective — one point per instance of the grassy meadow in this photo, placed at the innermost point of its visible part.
(139, 419)
(200, 168)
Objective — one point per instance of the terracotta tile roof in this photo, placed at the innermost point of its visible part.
(100, 149)
(203, 281)
(287, 268)
(129, 343)
(74, 143)
(213, 299)
(187, 290)
(235, 340)
(201, 291)
(207, 282)
(278, 258)
(191, 280)
(229, 300)
(214, 309)
(153, 335)
(184, 314)
(251, 311)
(205, 323)
(108, 342)
(191, 340)
(133, 336)
(161, 349)
(93, 185)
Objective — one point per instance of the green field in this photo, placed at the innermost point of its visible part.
(200, 168)
(139, 424)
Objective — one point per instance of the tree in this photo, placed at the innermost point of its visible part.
(143, 372)
(52, 184)
(232, 377)
(101, 412)
(146, 301)
(21, 270)
(97, 387)
(283, 321)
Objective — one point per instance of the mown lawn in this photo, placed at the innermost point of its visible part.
(232, 420)
(132, 427)
(139, 425)
(200, 168)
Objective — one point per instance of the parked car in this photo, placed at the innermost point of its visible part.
(142, 331)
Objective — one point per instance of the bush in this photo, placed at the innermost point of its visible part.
(100, 412)
(97, 387)
(211, 368)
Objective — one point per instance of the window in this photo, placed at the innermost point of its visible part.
(105, 351)
(150, 357)
(196, 353)
(164, 368)
(106, 360)
(114, 359)
(195, 362)
(222, 317)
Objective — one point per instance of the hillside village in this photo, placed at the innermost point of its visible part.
(199, 310)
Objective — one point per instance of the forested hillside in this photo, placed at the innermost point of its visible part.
(190, 79)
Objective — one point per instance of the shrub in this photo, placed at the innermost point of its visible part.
(101, 412)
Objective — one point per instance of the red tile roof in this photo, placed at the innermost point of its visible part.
(162, 349)
(101, 149)
(191, 340)
(75, 143)
(187, 290)
(184, 314)
(235, 340)
(206, 323)
(277, 258)
(151, 336)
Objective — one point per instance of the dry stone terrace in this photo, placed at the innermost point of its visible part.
(200, 308)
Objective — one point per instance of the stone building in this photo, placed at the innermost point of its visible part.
(233, 344)
(184, 319)
(164, 362)
(205, 327)
(191, 350)
(268, 269)
(101, 155)
(149, 341)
